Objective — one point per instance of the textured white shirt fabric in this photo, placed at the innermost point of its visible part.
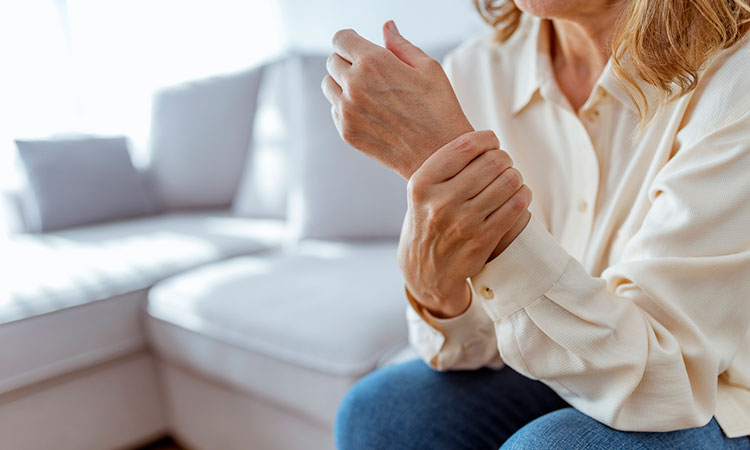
(628, 292)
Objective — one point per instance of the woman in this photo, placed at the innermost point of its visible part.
(613, 310)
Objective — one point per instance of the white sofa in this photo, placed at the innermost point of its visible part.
(232, 328)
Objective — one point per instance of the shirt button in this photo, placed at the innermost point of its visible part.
(583, 206)
(487, 293)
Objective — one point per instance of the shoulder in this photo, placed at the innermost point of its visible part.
(471, 48)
(722, 96)
(483, 52)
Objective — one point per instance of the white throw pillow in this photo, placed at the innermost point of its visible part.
(200, 136)
(335, 191)
(80, 181)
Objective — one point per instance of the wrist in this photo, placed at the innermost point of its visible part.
(429, 147)
(439, 307)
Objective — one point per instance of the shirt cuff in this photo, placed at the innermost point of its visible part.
(521, 274)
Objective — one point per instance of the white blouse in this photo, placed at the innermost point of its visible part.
(628, 292)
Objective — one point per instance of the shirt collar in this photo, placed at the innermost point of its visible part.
(533, 70)
(609, 82)
(531, 61)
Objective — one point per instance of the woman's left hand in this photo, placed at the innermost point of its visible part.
(394, 104)
(464, 201)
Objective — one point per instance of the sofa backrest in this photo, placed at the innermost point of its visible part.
(263, 142)
(199, 138)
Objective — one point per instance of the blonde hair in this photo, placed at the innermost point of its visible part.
(665, 42)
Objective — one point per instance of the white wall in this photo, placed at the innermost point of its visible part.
(310, 25)
(91, 65)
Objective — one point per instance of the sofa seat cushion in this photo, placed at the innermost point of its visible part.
(74, 298)
(57, 270)
(296, 328)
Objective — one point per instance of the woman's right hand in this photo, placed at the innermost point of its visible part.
(462, 202)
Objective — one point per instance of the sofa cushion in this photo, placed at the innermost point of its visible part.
(73, 299)
(200, 135)
(80, 181)
(263, 188)
(336, 192)
(51, 271)
(297, 329)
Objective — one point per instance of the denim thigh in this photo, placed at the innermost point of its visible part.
(412, 406)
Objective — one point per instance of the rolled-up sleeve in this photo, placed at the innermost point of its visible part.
(642, 346)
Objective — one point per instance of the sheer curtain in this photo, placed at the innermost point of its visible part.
(92, 65)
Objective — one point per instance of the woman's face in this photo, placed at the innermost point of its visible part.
(565, 9)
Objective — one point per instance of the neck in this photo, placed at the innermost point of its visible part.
(581, 47)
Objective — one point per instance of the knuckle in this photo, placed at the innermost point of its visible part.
(355, 91)
(416, 188)
(438, 215)
(466, 231)
(520, 201)
(478, 243)
(341, 34)
(513, 178)
(506, 157)
(432, 65)
(497, 160)
(491, 137)
(465, 143)
(368, 60)
(528, 193)
(327, 83)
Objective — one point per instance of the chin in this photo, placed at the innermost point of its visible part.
(549, 9)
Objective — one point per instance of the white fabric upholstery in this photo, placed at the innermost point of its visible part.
(58, 270)
(11, 213)
(72, 299)
(77, 181)
(49, 345)
(336, 192)
(200, 135)
(114, 405)
(295, 328)
(207, 414)
(263, 189)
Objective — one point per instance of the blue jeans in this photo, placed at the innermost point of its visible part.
(411, 406)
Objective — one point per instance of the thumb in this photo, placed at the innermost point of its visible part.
(399, 46)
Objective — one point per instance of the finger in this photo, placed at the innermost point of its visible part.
(331, 90)
(502, 219)
(337, 67)
(399, 46)
(451, 158)
(350, 45)
(479, 173)
(500, 190)
(336, 121)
